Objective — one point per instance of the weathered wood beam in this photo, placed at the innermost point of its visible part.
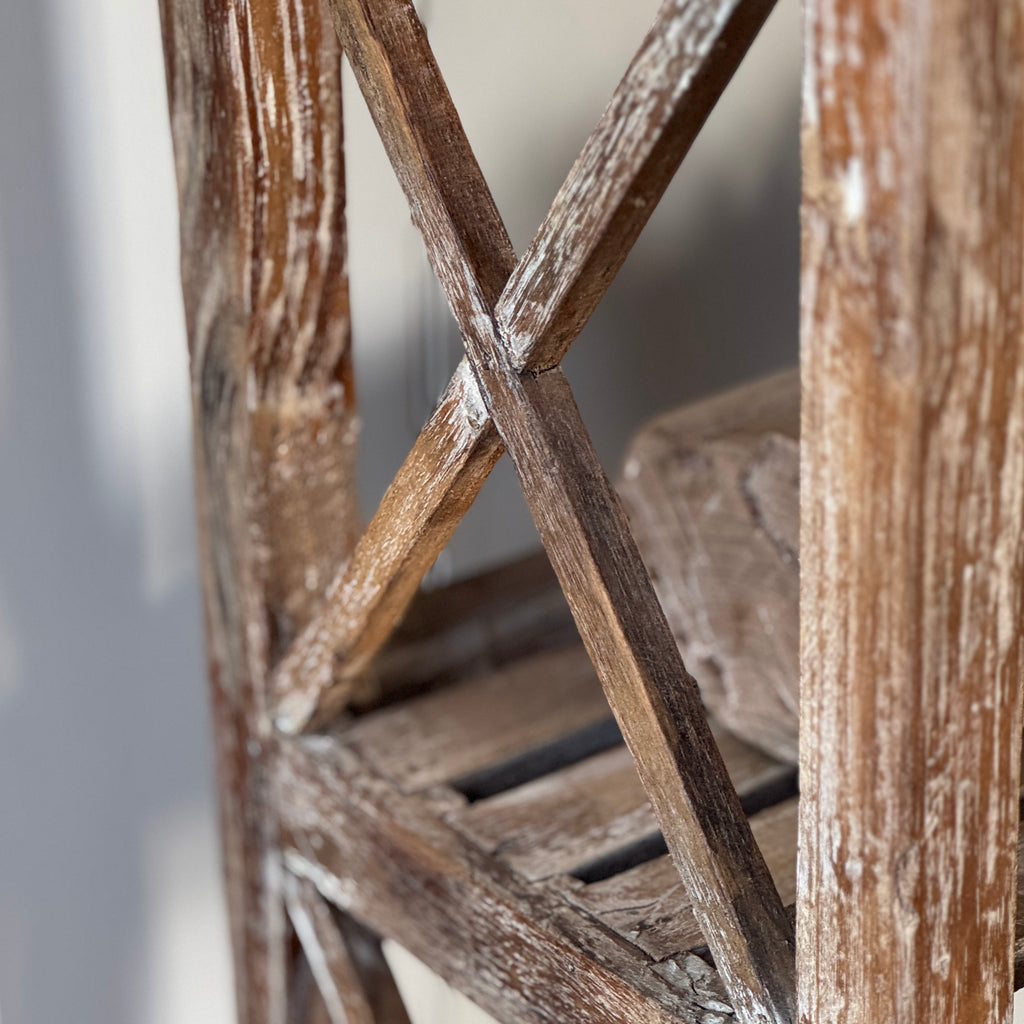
(913, 492)
(653, 697)
(518, 952)
(255, 104)
(351, 973)
(665, 96)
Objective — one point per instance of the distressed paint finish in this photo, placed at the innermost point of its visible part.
(913, 484)
(254, 93)
(543, 301)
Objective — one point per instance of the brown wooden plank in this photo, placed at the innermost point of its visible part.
(261, 194)
(588, 811)
(416, 517)
(482, 722)
(712, 495)
(911, 536)
(520, 953)
(351, 973)
(557, 284)
(648, 905)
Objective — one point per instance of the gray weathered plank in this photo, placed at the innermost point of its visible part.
(482, 722)
(712, 494)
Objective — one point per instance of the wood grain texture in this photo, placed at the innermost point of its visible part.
(346, 960)
(648, 906)
(657, 109)
(580, 522)
(479, 723)
(520, 953)
(712, 495)
(588, 811)
(913, 483)
(255, 105)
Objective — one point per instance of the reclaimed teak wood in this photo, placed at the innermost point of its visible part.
(525, 790)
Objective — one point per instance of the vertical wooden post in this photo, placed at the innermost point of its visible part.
(255, 97)
(913, 491)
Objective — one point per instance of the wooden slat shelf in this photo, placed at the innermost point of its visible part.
(513, 788)
(482, 723)
(648, 906)
(561, 864)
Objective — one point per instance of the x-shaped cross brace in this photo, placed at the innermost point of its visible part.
(517, 321)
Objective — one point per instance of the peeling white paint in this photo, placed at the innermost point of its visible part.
(854, 191)
(472, 401)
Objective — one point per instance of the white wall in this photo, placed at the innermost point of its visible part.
(110, 906)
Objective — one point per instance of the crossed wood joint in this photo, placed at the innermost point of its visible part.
(518, 320)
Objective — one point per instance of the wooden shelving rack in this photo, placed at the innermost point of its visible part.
(460, 785)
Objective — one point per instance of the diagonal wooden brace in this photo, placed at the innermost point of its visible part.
(542, 302)
(577, 514)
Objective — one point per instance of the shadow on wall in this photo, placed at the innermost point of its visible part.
(102, 718)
